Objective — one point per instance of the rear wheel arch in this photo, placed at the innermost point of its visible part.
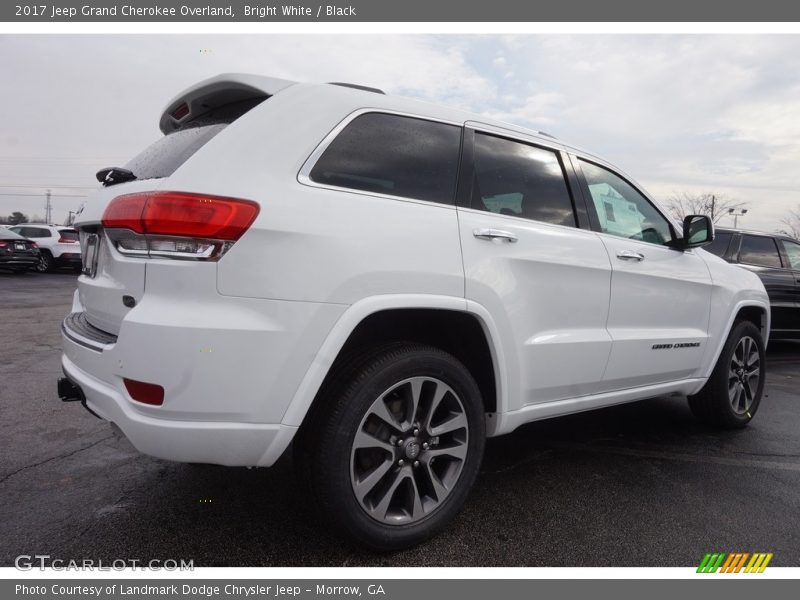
(460, 333)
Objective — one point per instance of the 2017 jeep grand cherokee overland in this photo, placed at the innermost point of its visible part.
(386, 283)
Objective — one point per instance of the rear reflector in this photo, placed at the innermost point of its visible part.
(181, 214)
(146, 393)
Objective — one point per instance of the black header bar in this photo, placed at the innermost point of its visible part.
(401, 11)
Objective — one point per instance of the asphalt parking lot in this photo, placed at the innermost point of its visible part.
(636, 485)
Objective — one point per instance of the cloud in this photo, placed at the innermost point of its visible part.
(693, 112)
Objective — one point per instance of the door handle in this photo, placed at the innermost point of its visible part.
(630, 255)
(494, 234)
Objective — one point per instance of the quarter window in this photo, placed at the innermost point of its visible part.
(622, 210)
(395, 155)
(793, 252)
(520, 180)
(760, 251)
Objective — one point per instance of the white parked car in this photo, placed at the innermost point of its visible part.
(386, 283)
(59, 245)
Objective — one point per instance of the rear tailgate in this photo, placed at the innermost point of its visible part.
(189, 122)
(115, 275)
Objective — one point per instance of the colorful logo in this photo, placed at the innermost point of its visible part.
(734, 563)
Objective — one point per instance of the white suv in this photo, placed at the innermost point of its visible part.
(386, 283)
(59, 246)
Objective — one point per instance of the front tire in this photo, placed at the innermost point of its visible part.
(394, 445)
(733, 393)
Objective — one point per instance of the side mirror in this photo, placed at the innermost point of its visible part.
(698, 230)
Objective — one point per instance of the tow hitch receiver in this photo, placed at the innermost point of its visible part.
(69, 392)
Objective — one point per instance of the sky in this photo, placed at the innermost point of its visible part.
(679, 113)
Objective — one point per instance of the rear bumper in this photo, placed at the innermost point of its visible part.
(18, 261)
(232, 444)
(229, 368)
(68, 259)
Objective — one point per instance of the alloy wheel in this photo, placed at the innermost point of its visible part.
(408, 451)
(744, 375)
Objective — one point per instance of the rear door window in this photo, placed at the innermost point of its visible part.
(520, 180)
(163, 157)
(394, 155)
(760, 251)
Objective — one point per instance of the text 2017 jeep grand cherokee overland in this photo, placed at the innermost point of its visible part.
(386, 283)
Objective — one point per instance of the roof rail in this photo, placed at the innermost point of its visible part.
(355, 86)
(545, 134)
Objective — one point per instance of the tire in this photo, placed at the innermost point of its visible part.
(362, 466)
(732, 395)
(46, 263)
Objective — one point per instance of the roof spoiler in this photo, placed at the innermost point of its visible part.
(215, 92)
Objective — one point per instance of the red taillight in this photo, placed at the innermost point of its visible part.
(181, 214)
(63, 240)
(181, 111)
(147, 393)
(3, 244)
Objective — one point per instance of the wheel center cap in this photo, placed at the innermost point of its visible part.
(412, 449)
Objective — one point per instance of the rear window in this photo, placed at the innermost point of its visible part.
(719, 246)
(68, 234)
(394, 155)
(163, 157)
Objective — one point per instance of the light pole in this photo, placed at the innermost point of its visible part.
(736, 213)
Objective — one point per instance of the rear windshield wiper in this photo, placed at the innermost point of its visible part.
(114, 175)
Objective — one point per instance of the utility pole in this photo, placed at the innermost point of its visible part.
(70, 217)
(48, 208)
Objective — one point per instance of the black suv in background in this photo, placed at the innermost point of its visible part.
(775, 259)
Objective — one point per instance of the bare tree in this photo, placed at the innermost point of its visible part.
(715, 206)
(790, 223)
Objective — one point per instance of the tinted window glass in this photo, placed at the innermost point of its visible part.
(7, 234)
(520, 180)
(390, 154)
(719, 246)
(759, 250)
(163, 157)
(793, 250)
(32, 232)
(622, 210)
(68, 234)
